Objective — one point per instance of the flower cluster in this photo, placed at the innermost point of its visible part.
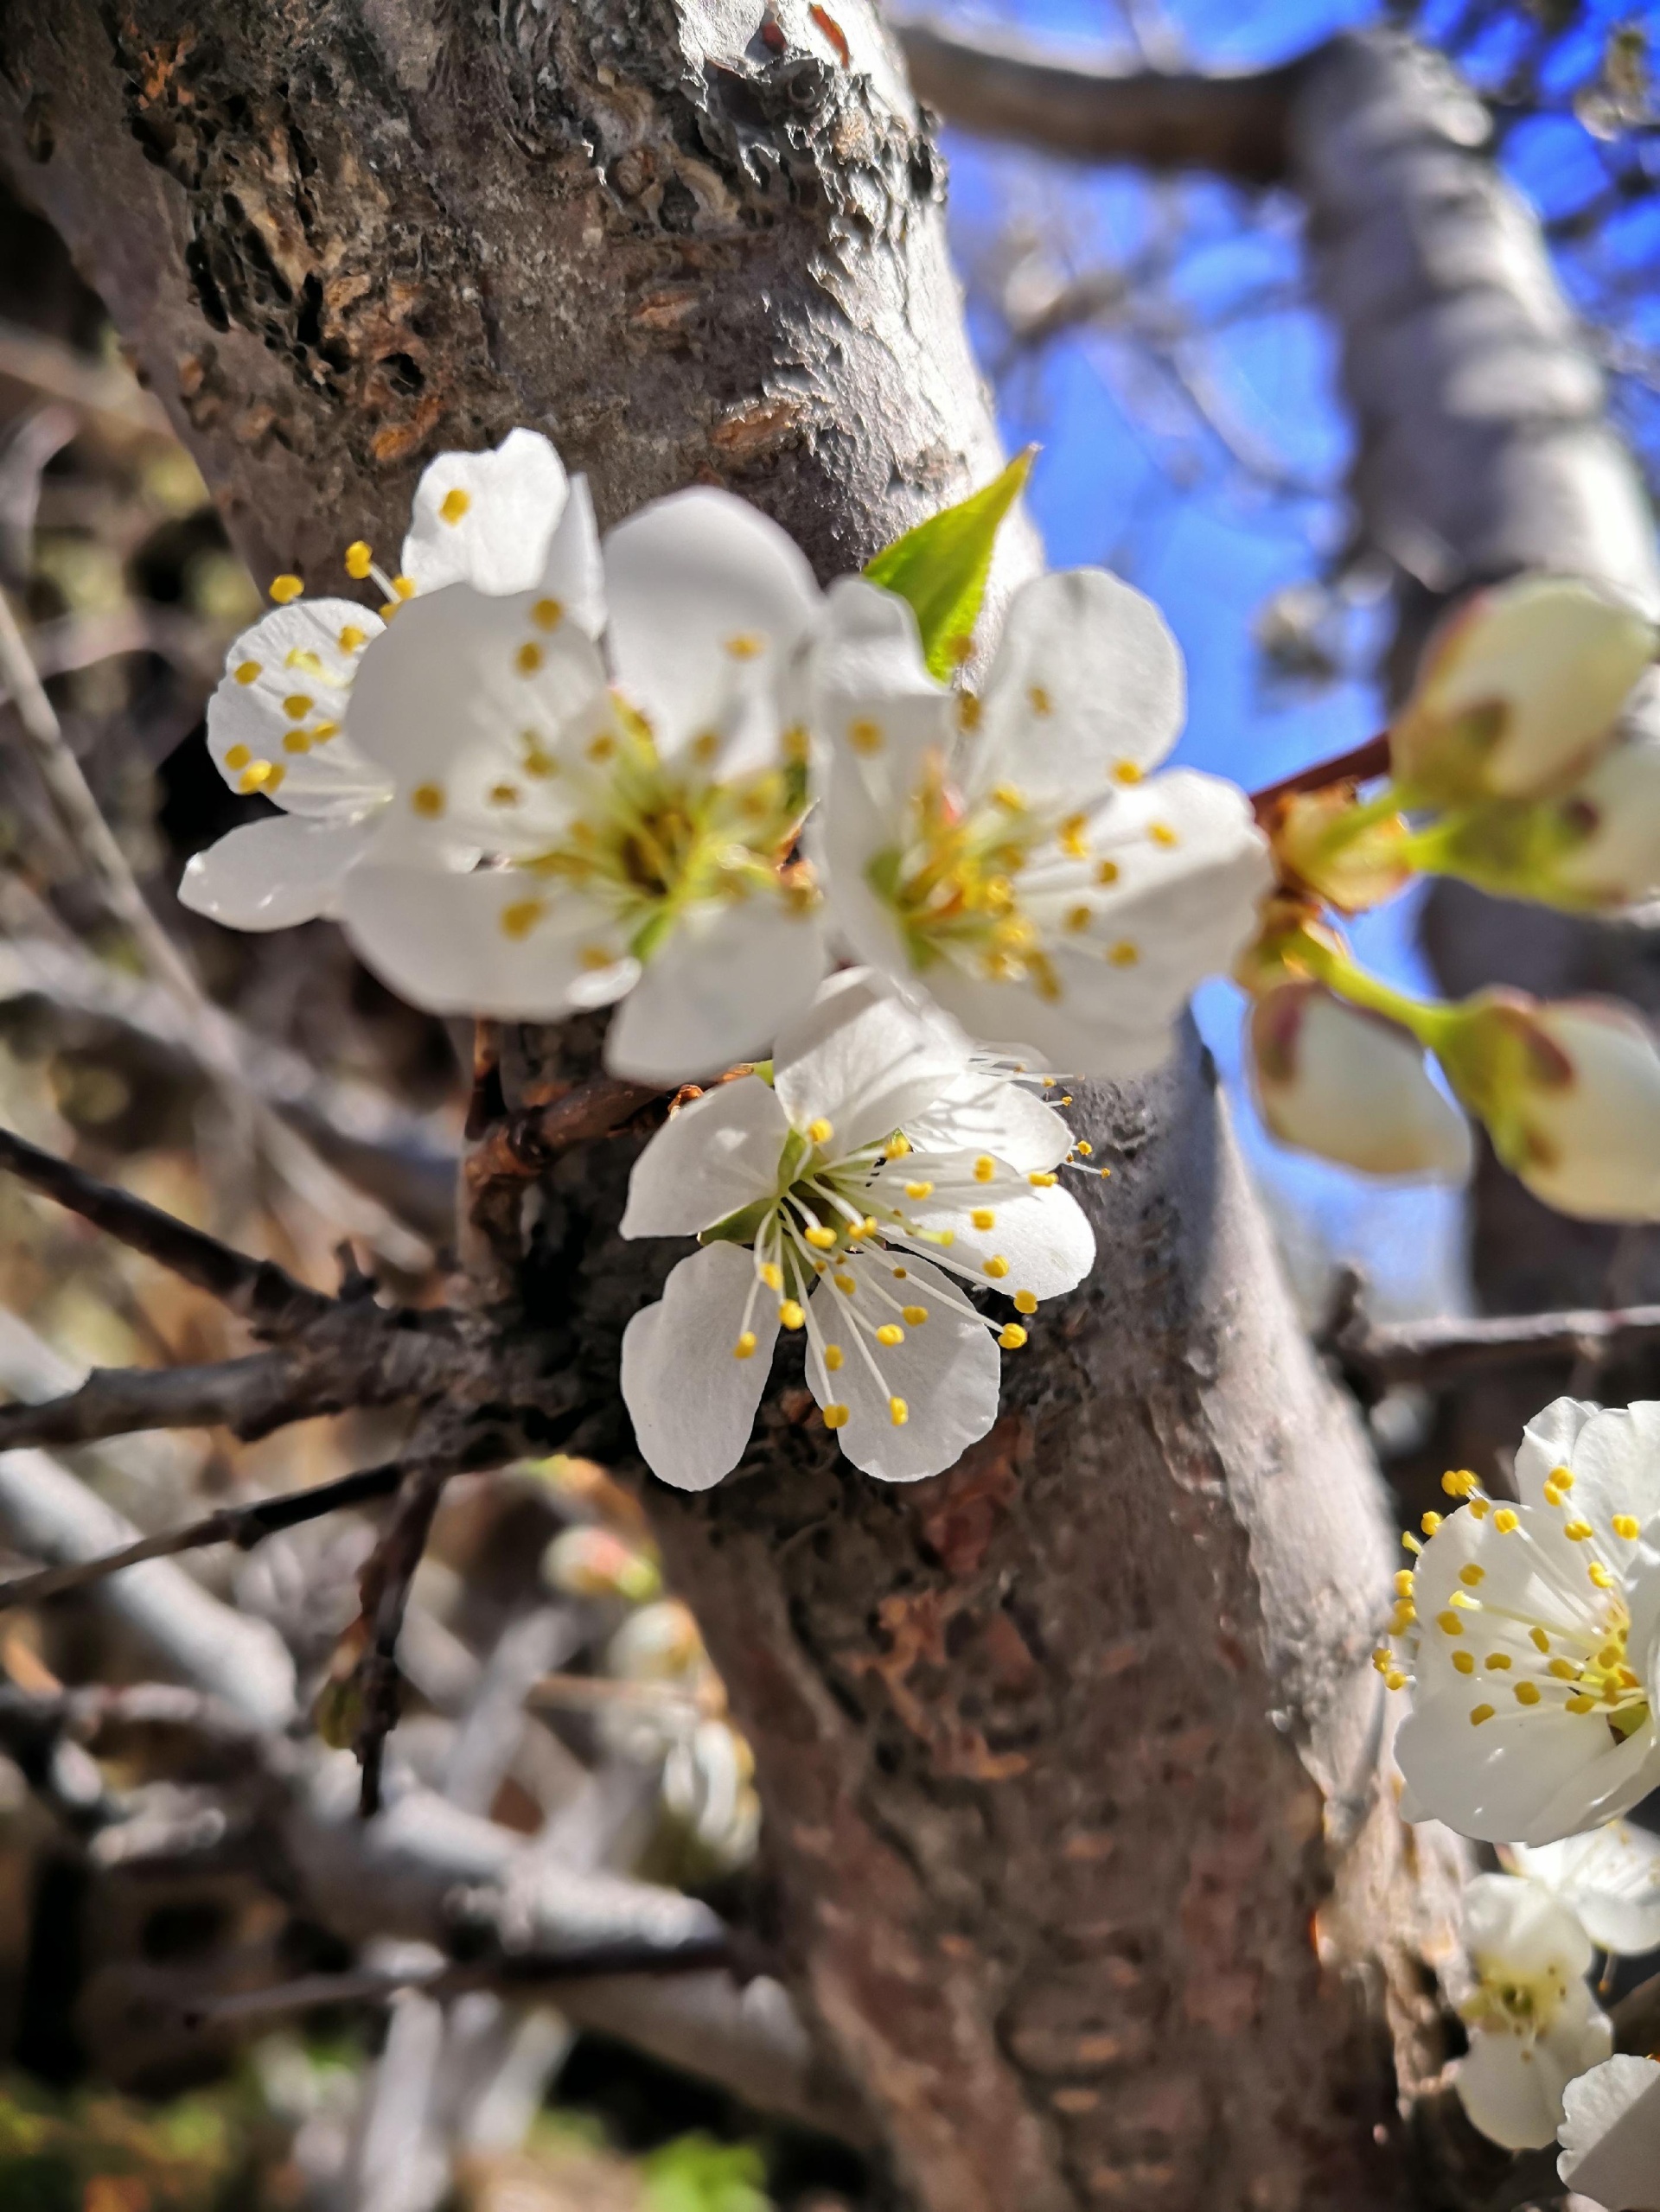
(1515, 764)
(1528, 1634)
(553, 773)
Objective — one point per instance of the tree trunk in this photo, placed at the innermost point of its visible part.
(1088, 1870)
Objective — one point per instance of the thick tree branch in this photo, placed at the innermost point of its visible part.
(263, 1294)
(1380, 1354)
(243, 1525)
(1235, 126)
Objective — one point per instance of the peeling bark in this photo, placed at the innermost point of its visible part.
(1064, 1751)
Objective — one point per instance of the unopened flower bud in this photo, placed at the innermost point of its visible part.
(1519, 690)
(1351, 1086)
(592, 1563)
(1570, 1094)
(1323, 839)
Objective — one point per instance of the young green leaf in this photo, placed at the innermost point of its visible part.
(941, 566)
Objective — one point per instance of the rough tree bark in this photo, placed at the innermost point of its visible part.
(1061, 1752)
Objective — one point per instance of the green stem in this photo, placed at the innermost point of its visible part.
(1425, 1019)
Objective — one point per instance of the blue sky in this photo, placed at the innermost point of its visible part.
(1109, 486)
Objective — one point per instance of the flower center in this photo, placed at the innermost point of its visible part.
(1522, 2004)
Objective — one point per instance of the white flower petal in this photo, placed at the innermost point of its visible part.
(947, 1372)
(1616, 808)
(1616, 1466)
(692, 1402)
(1506, 2093)
(1610, 1877)
(1512, 1926)
(702, 592)
(1333, 1080)
(708, 1160)
(1045, 1236)
(1547, 1442)
(273, 874)
(276, 721)
(1594, 1148)
(1610, 2135)
(1087, 681)
(716, 991)
(573, 572)
(1083, 1034)
(982, 1113)
(486, 518)
(865, 1060)
(494, 942)
(874, 709)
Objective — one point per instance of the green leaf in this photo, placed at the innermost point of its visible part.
(941, 566)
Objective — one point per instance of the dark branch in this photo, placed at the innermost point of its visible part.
(263, 1293)
(1235, 127)
(1380, 1355)
(1358, 765)
(243, 1525)
(386, 1586)
(249, 1396)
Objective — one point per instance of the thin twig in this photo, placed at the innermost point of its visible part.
(243, 1525)
(1357, 765)
(262, 1292)
(386, 1583)
(1384, 1353)
(249, 1396)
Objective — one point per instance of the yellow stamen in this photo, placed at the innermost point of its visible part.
(1025, 1302)
(1465, 1662)
(548, 613)
(821, 1240)
(360, 559)
(1472, 1574)
(916, 1316)
(404, 587)
(771, 1276)
(238, 757)
(919, 1191)
(1528, 1693)
(896, 1146)
(528, 659)
(819, 1131)
(997, 1267)
(454, 504)
(1123, 954)
(832, 1357)
(1038, 699)
(864, 736)
(1127, 772)
(745, 647)
(745, 1345)
(520, 917)
(1478, 1713)
(1500, 1662)
(1577, 1531)
(351, 638)
(889, 1333)
(835, 1417)
(1106, 871)
(247, 672)
(1506, 1521)
(790, 1314)
(1012, 1337)
(1449, 1624)
(295, 741)
(1430, 1523)
(983, 1218)
(1162, 833)
(427, 799)
(1600, 1575)
(284, 590)
(898, 1411)
(1626, 1525)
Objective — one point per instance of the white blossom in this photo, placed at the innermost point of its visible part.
(1610, 855)
(1006, 852)
(1519, 689)
(1533, 2023)
(1535, 1632)
(1610, 2135)
(1333, 1080)
(1609, 1877)
(885, 1171)
(556, 775)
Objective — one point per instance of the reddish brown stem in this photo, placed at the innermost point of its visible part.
(1360, 763)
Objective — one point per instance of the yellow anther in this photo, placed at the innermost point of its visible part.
(1449, 1624)
(247, 672)
(1025, 1302)
(896, 1146)
(259, 775)
(864, 736)
(1538, 1639)
(1478, 1713)
(1480, 1508)
(819, 1131)
(505, 794)
(704, 746)
(985, 1167)
(1500, 1662)
(539, 761)
(1040, 1180)
(1012, 1337)
(427, 799)
(297, 706)
(1528, 1693)
(1472, 1576)
(1123, 954)
(919, 1191)
(1465, 1662)
(1079, 917)
(1464, 1603)
(295, 741)
(745, 1345)
(360, 559)
(1506, 1521)
(600, 748)
(1562, 1477)
(1626, 1525)
(745, 645)
(1038, 699)
(595, 957)
(352, 638)
(1395, 1681)
(528, 659)
(1577, 1531)
(791, 1314)
(898, 1411)
(324, 731)
(997, 1267)
(916, 1316)
(454, 504)
(521, 917)
(771, 1276)
(1580, 1703)
(1602, 1577)
(286, 589)
(404, 587)
(1430, 1523)
(844, 1283)
(1402, 1618)
(968, 711)
(983, 1218)
(889, 1333)
(1564, 1670)
(833, 1356)
(821, 1240)
(548, 613)
(1009, 797)
(1382, 1660)
(1070, 837)
(1084, 1147)
(835, 1417)
(1106, 871)
(1459, 1482)
(1127, 772)
(1411, 1541)
(1161, 833)
(796, 746)
(1404, 1580)
(238, 756)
